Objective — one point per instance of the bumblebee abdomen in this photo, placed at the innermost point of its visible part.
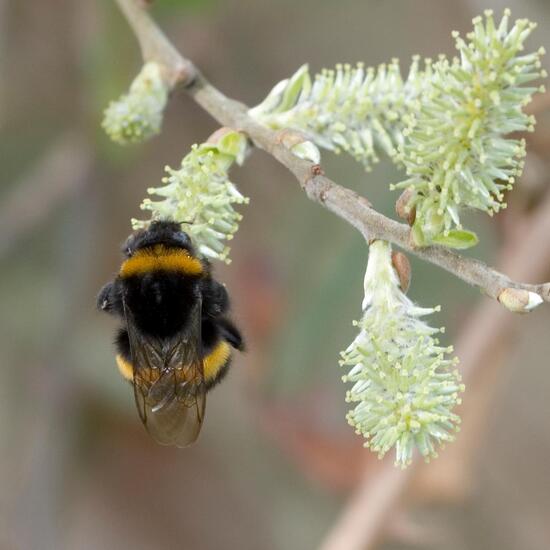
(125, 367)
(216, 363)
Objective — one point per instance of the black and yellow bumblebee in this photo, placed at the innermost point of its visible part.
(176, 340)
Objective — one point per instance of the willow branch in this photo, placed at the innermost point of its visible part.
(154, 44)
(356, 529)
(343, 202)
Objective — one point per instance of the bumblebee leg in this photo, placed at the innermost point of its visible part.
(109, 299)
(231, 333)
(215, 300)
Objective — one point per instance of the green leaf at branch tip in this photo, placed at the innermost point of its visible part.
(283, 96)
(457, 238)
(299, 83)
(233, 144)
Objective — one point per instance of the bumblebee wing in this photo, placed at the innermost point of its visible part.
(172, 409)
(169, 385)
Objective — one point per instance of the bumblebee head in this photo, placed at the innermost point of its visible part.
(164, 232)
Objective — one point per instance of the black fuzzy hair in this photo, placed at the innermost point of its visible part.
(165, 232)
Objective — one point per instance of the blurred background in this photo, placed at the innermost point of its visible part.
(277, 466)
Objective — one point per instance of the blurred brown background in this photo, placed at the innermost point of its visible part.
(276, 462)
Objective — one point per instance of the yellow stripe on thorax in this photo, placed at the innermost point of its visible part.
(161, 258)
(125, 368)
(216, 359)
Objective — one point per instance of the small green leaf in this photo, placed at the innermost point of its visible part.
(233, 144)
(299, 81)
(457, 238)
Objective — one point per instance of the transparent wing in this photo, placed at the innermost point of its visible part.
(169, 385)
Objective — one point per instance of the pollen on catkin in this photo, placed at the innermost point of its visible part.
(447, 123)
(405, 384)
(357, 110)
(200, 195)
(457, 151)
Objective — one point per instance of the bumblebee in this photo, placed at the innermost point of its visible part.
(176, 339)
